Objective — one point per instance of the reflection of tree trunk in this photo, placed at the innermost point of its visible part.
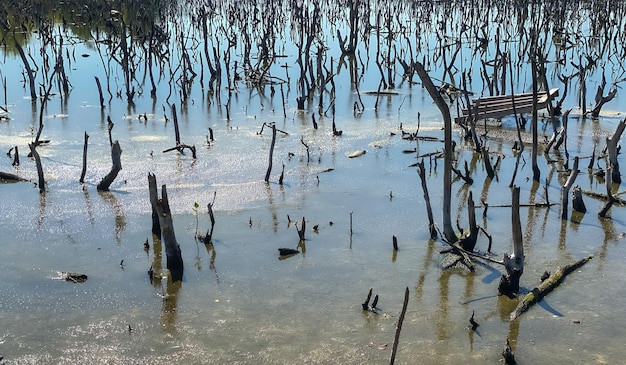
(29, 72)
(442, 308)
(120, 218)
(170, 304)
(172, 249)
(448, 231)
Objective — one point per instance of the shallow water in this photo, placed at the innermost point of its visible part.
(239, 302)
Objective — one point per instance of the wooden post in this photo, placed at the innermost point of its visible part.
(448, 230)
(116, 157)
(42, 183)
(514, 264)
(82, 174)
(172, 249)
(269, 167)
(565, 189)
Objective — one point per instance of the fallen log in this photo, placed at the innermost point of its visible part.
(10, 177)
(546, 287)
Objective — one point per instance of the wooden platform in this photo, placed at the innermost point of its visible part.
(496, 107)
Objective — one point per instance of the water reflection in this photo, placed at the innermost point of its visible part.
(118, 211)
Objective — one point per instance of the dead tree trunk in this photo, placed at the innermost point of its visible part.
(116, 157)
(448, 230)
(41, 183)
(546, 287)
(536, 171)
(611, 144)
(180, 147)
(565, 189)
(487, 162)
(468, 240)
(269, 167)
(610, 197)
(429, 210)
(82, 173)
(601, 100)
(514, 264)
(162, 208)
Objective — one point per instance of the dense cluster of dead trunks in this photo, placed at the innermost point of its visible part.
(315, 85)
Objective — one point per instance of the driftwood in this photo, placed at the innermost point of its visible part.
(116, 157)
(162, 208)
(546, 287)
(10, 177)
(514, 264)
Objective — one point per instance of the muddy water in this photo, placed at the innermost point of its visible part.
(239, 302)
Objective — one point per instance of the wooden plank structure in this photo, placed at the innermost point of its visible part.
(496, 107)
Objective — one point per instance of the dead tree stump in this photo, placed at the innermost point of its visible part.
(514, 264)
(162, 208)
(431, 221)
(41, 183)
(565, 189)
(116, 157)
(269, 166)
(468, 240)
(611, 144)
(577, 200)
(84, 170)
